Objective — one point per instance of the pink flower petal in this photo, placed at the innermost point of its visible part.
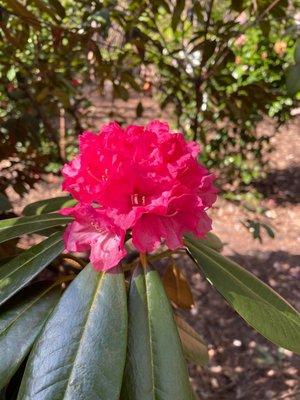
(94, 230)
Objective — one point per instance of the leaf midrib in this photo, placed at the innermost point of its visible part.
(246, 287)
(33, 219)
(24, 310)
(250, 275)
(150, 339)
(97, 289)
(32, 258)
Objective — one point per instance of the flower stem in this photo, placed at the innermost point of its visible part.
(143, 259)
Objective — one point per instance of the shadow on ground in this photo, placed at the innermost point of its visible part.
(283, 186)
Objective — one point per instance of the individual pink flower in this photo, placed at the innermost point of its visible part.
(145, 180)
(93, 230)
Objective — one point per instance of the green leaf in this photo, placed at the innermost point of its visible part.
(297, 52)
(178, 9)
(213, 241)
(81, 351)
(5, 204)
(22, 269)
(293, 79)
(257, 303)
(44, 8)
(194, 348)
(11, 74)
(48, 205)
(155, 367)
(21, 320)
(15, 227)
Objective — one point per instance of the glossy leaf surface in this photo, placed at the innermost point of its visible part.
(81, 351)
(15, 274)
(155, 367)
(15, 227)
(256, 302)
(48, 205)
(21, 320)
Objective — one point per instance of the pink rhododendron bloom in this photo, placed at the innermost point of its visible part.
(94, 230)
(145, 180)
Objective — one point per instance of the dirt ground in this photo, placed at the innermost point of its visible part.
(243, 365)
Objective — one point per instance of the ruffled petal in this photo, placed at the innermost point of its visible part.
(151, 230)
(107, 251)
(94, 230)
(146, 179)
(77, 237)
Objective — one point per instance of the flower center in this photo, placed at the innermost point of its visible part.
(138, 199)
(97, 227)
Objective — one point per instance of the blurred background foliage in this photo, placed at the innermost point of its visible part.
(219, 67)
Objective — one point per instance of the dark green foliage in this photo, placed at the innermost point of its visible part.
(220, 69)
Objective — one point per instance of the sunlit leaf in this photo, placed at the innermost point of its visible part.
(48, 205)
(15, 227)
(22, 269)
(80, 353)
(257, 303)
(42, 6)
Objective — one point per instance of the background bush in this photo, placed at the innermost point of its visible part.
(220, 67)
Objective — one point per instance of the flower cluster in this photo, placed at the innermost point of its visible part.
(145, 180)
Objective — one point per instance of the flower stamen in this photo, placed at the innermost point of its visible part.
(138, 199)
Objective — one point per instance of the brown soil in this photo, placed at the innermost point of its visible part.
(243, 365)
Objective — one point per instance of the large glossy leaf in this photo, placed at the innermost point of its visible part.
(194, 348)
(155, 367)
(257, 303)
(81, 351)
(21, 320)
(22, 269)
(14, 227)
(48, 205)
